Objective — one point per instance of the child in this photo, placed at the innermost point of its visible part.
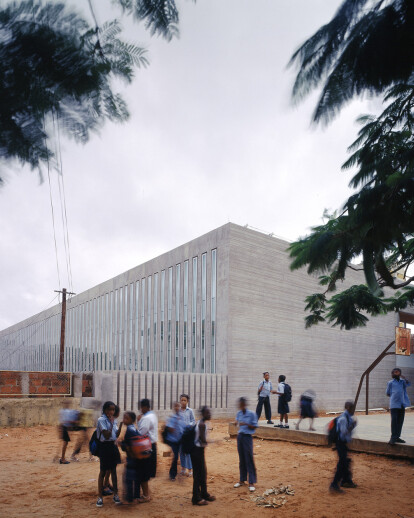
(85, 421)
(67, 419)
(200, 493)
(282, 406)
(148, 425)
(306, 408)
(189, 419)
(130, 473)
(247, 422)
(108, 489)
(108, 452)
(175, 427)
(345, 425)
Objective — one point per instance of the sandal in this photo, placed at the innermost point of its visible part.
(201, 502)
(143, 499)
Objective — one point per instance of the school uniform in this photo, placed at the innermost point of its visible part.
(131, 478)
(282, 405)
(66, 419)
(264, 399)
(199, 466)
(345, 426)
(306, 407)
(148, 425)
(173, 439)
(189, 420)
(245, 445)
(397, 392)
(108, 452)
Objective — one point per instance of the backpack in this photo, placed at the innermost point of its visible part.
(94, 444)
(332, 431)
(188, 438)
(287, 393)
(140, 446)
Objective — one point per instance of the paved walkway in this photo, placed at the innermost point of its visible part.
(375, 427)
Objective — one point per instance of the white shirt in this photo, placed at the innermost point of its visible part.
(281, 388)
(148, 425)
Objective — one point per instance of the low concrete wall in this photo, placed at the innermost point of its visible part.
(318, 439)
(32, 411)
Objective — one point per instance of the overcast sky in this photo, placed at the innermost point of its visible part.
(213, 137)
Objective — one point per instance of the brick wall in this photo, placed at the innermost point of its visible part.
(87, 384)
(21, 383)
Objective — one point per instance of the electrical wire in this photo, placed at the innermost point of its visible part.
(62, 197)
(53, 216)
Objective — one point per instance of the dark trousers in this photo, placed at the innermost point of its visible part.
(175, 446)
(153, 460)
(268, 411)
(246, 461)
(343, 472)
(132, 489)
(199, 474)
(397, 421)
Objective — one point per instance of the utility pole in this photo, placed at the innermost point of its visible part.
(62, 328)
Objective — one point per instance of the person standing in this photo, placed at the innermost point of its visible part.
(108, 451)
(200, 493)
(284, 393)
(345, 425)
(174, 427)
(397, 392)
(148, 425)
(264, 390)
(188, 415)
(131, 480)
(247, 422)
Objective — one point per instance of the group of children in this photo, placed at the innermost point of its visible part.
(284, 393)
(182, 426)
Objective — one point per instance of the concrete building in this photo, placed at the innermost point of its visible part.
(208, 317)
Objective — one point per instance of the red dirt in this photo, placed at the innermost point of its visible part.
(33, 485)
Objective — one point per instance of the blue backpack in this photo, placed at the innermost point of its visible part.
(94, 444)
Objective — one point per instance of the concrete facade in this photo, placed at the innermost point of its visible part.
(129, 324)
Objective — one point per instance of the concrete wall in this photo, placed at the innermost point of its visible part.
(267, 331)
(164, 388)
(32, 411)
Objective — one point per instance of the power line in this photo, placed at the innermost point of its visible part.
(53, 214)
(63, 203)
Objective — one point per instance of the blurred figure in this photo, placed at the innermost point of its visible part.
(148, 425)
(189, 419)
(108, 454)
(83, 424)
(200, 493)
(306, 408)
(67, 419)
(247, 423)
(397, 392)
(174, 428)
(345, 425)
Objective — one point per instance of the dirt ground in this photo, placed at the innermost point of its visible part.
(32, 484)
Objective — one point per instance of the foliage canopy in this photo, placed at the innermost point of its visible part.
(377, 222)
